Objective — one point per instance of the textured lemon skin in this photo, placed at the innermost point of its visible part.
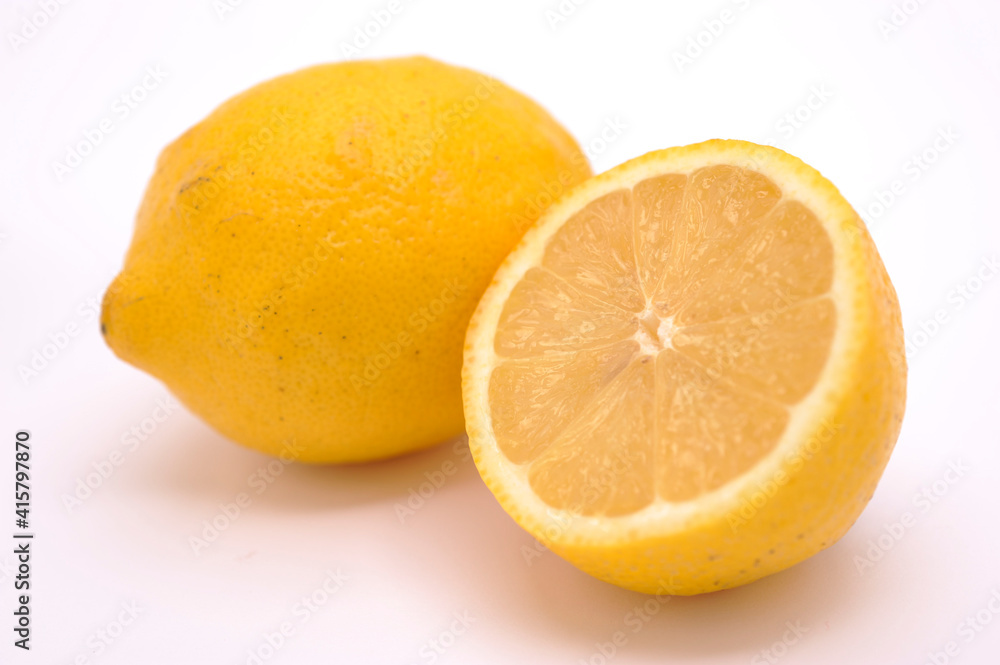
(822, 480)
(306, 259)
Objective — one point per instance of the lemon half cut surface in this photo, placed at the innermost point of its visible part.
(690, 372)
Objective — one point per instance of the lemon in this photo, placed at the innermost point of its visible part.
(690, 372)
(306, 259)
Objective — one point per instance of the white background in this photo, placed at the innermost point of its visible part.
(883, 98)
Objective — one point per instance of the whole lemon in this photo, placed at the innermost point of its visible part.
(306, 259)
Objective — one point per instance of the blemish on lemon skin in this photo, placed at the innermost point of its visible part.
(188, 185)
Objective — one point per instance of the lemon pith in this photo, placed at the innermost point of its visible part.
(731, 457)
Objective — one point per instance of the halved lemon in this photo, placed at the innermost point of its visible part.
(690, 372)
